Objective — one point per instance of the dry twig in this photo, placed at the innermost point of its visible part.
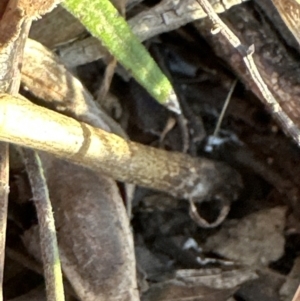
(15, 22)
(64, 137)
(227, 100)
(108, 76)
(4, 189)
(48, 240)
(11, 49)
(49, 81)
(218, 26)
(164, 17)
(112, 61)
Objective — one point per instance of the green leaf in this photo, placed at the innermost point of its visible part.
(104, 22)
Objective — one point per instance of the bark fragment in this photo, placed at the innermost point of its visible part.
(278, 66)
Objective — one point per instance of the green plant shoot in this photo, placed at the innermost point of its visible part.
(104, 22)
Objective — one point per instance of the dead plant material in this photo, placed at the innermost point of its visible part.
(277, 67)
(14, 27)
(106, 82)
(164, 17)
(181, 119)
(169, 15)
(14, 30)
(15, 22)
(47, 79)
(48, 30)
(175, 173)
(4, 190)
(246, 53)
(48, 240)
(178, 290)
(199, 220)
(120, 5)
(94, 236)
(216, 277)
(254, 240)
(55, 87)
(93, 230)
(289, 11)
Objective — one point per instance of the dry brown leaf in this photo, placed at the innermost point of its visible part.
(216, 277)
(254, 240)
(178, 291)
(47, 79)
(264, 288)
(47, 30)
(94, 237)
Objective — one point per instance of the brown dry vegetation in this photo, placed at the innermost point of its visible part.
(149, 205)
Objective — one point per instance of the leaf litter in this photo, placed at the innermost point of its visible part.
(241, 258)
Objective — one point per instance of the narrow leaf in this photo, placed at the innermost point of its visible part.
(103, 20)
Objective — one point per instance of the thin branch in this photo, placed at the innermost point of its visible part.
(112, 62)
(247, 54)
(11, 52)
(4, 189)
(227, 100)
(175, 173)
(49, 247)
(105, 85)
(46, 78)
(168, 15)
(199, 220)
(15, 23)
(181, 119)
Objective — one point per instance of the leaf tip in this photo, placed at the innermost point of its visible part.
(172, 103)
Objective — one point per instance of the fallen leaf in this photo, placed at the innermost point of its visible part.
(94, 237)
(178, 291)
(256, 239)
